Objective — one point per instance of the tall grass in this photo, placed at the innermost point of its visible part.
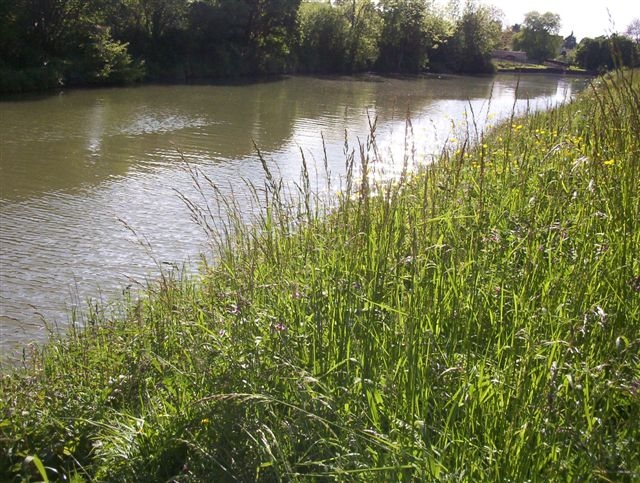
(478, 319)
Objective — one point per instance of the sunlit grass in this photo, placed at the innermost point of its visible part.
(477, 320)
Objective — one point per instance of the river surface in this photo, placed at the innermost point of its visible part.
(82, 170)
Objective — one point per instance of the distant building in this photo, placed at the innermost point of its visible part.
(569, 45)
(570, 42)
(510, 55)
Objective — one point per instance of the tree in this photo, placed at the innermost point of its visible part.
(477, 34)
(538, 36)
(364, 31)
(606, 53)
(10, 33)
(403, 41)
(633, 30)
(323, 38)
(271, 33)
(47, 43)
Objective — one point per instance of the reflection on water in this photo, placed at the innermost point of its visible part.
(71, 165)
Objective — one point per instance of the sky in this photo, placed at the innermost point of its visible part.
(586, 18)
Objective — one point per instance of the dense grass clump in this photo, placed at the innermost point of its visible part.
(476, 320)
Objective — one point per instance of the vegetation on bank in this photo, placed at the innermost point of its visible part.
(508, 66)
(45, 45)
(478, 319)
(605, 53)
(72, 42)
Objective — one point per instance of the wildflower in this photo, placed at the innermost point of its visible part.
(204, 421)
(635, 283)
(601, 314)
(280, 327)
(492, 237)
(610, 162)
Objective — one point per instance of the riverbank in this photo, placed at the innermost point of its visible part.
(545, 70)
(79, 158)
(523, 68)
(477, 320)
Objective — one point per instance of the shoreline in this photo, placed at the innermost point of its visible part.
(249, 80)
(546, 70)
(431, 328)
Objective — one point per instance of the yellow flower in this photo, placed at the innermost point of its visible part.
(610, 162)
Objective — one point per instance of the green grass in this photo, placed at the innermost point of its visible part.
(506, 66)
(476, 320)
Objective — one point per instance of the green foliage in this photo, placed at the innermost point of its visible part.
(30, 79)
(324, 34)
(606, 53)
(404, 40)
(74, 42)
(477, 33)
(272, 26)
(477, 320)
(363, 32)
(107, 61)
(217, 39)
(538, 36)
(49, 44)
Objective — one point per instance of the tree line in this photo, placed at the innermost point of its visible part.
(538, 37)
(45, 43)
(48, 43)
(605, 53)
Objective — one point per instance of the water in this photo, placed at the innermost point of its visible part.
(77, 168)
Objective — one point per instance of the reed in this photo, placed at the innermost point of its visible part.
(477, 319)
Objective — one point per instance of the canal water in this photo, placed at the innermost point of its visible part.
(91, 181)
